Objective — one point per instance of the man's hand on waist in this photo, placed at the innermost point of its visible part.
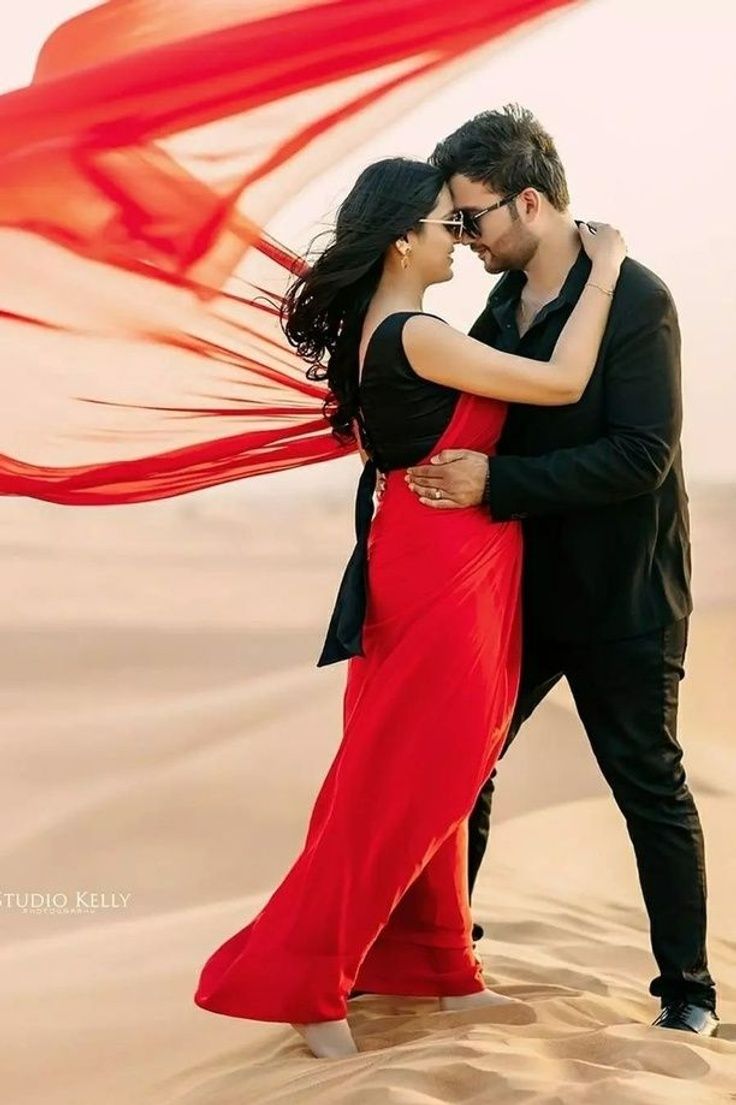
(459, 475)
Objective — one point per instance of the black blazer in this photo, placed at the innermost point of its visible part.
(599, 484)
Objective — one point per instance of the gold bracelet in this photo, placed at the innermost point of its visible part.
(590, 284)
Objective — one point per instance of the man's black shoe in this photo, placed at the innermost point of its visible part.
(688, 1018)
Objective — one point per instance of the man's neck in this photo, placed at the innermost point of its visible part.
(556, 254)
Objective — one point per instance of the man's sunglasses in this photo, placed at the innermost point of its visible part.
(471, 219)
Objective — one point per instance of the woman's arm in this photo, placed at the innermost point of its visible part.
(440, 353)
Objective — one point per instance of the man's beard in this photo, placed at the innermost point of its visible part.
(516, 257)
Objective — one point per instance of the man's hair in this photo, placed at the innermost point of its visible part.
(508, 150)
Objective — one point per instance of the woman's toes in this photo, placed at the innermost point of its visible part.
(328, 1039)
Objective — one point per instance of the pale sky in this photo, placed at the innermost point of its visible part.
(640, 100)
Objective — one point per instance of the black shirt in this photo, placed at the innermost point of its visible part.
(599, 483)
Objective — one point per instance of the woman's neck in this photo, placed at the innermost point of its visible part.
(397, 292)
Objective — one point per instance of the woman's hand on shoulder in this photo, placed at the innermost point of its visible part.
(604, 244)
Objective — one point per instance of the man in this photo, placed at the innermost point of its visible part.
(600, 488)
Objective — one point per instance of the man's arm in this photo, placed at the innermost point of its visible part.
(643, 410)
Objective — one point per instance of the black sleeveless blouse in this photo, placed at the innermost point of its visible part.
(402, 416)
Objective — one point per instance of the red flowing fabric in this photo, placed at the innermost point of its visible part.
(139, 289)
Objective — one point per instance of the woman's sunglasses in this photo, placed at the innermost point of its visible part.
(456, 224)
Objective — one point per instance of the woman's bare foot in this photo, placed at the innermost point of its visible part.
(328, 1039)
(470, 1001)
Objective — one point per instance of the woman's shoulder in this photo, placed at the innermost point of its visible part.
(418, 331)
(397, 321)
(424, 323)
(423, 334)
(387, 337)
(388, 356)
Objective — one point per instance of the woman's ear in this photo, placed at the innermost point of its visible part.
(406, 242)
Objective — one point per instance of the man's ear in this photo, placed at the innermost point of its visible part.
(531, 201)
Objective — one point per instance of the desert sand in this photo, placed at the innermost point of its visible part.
(164, 732)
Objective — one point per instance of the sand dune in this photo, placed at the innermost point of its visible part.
(164, 734)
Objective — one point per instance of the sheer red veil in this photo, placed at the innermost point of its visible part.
(142, 355)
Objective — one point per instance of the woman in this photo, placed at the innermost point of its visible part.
(377, 899)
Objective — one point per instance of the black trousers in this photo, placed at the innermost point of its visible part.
(626, 693)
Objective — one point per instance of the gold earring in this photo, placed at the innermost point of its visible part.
(405, 262)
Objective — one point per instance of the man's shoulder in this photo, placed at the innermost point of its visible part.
(639, 284)
(635, 279)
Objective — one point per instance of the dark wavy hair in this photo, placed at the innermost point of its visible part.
(508, 150)
(324, 308)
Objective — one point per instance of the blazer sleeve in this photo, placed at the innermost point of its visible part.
(643, 414)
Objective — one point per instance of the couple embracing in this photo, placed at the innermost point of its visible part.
(531, 523)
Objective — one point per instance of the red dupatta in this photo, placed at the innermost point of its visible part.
(142, 355)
